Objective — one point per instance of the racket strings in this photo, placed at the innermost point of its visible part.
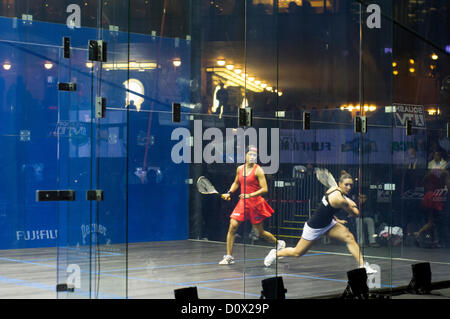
(205, 186)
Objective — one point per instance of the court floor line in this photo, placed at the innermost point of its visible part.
(264, 276)
(27, 262)
(334, 253)
(388, 258)
(324, 278)
(260, 276)
(105, 273)
(183, 285)
(193, 264)
(50, 288)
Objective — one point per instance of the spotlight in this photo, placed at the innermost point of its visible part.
(421, 279)
(357, 285)
(273, 288)
(221, 62)
(176, 62)
(186, 294)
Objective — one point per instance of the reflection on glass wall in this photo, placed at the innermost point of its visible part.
(307, 86)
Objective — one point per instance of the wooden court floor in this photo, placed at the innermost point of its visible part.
(153, 270)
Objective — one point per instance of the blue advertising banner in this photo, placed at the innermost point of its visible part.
(343, 146)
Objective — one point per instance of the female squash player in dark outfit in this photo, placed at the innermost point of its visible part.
(251, 205)
(323, 222)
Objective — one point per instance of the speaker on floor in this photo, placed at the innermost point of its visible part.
(186, 294)
(273, 288)
(421, 279)
(357, 285)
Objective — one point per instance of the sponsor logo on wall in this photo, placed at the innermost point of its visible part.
(92, 228)
(42, 234)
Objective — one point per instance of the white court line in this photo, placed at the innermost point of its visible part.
(335, 253)
(381, 257)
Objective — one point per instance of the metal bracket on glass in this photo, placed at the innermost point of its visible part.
(408, 127)
(96, 194)
(64, 86)
(27, 19)
(97, 50)
(280, 114)
(25, 135)
(64, 287)
(100, 107)
(176, 112)
(360, 124)
(278, 183)
(55, 195)
(306, 121)
(114, 29)
(245, 116)
(66, 47)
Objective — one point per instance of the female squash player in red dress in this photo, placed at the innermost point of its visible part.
(250, 177)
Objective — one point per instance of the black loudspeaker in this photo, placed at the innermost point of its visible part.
(357, 285)
(273, 288)
(186, 294)
(421, 279)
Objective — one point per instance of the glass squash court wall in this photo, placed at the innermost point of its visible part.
(154, 232)
(57, 142)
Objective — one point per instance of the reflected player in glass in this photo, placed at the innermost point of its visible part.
(323, 221)
(251, 205)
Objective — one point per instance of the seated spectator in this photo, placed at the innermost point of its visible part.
(366, 222)
(413, 160)
(437, 162)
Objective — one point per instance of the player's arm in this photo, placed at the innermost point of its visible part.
(233, 186)
(338, 201)
(340, 221)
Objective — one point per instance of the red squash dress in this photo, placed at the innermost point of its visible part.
(255, 208)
